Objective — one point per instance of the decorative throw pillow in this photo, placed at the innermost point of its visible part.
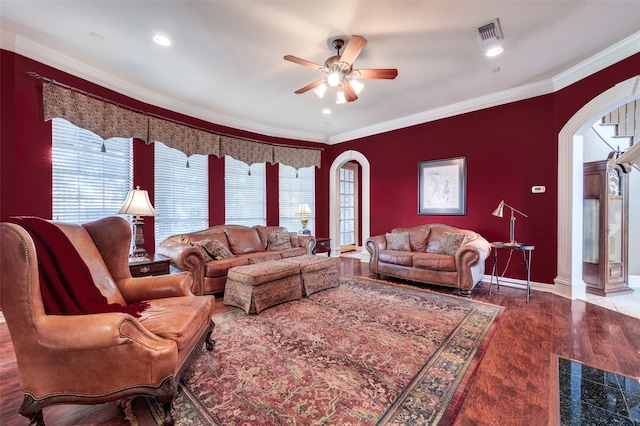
(243, 241)
(217, 250)
(278, 241)
(293, 239)
(200, 246)
(398, 241)
(450, 243)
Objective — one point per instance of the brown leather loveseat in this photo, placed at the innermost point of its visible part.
(210, 253)
(435, 254)
(93, 358)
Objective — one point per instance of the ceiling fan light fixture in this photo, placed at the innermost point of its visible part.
(340, 99)
(319, 91)
(357, 86)
(333, 79)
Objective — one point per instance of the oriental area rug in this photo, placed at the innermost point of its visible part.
(364, 353)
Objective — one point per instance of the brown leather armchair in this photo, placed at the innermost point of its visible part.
(95, 358)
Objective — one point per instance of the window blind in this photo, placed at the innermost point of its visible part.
(88, 184)
(245, 195)
(181, 193)
(293, 192)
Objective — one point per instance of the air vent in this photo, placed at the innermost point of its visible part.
(490, 33)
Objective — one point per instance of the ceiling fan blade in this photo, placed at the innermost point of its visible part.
(302, 62)
(353, 49)
(310, 86)
(386, 73)
(349, 93)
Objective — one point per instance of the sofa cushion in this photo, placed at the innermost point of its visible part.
(262, 256)
(292, 252)
(398, 241)
(174, 318)
(440, 262)
(217, 250)
(278, 241)
(396, 257)
(200, 246)
(293, 238)
(450, 243)
(242, 241)
(217, 268)
(417, 237)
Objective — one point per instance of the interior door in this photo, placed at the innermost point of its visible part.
(348, 207)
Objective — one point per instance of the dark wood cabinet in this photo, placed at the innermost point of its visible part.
(605, 224)
(323, 245)
(156, 265)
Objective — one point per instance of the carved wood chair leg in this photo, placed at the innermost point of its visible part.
(169, 413)
(209, 342)
(37, 419)
(126, 405)
(31, 410)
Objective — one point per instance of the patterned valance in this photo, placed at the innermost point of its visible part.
(186, 139)
(102, 118)
(296, 157)
(109, 119)
(248, 152)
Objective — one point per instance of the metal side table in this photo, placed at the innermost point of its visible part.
(526, 250)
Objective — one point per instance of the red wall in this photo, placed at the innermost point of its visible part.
(509, 148)
(25, 164)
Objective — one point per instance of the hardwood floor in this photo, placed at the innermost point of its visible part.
(513, 385)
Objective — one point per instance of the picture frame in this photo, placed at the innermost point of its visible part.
(442, 187)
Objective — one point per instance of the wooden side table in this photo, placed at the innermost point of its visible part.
(323, 245)
(526, 250)
(156, 265)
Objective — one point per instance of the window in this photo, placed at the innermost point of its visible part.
(245, 194)
(294, 191)
(181, 192)
(88, 184)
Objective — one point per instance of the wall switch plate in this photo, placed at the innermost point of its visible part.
(538, 189)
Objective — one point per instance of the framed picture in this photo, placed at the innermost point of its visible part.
(442, 187)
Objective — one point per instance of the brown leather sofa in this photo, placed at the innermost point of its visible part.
(247, 245)
(429, 255)
(99, 357)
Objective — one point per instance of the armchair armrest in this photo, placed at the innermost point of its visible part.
(374, 246)
(156, 287)
(95, 331)
(308, 242)
(469, 259)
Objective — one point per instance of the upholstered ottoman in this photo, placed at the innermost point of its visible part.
(318, 272)
(262, 285)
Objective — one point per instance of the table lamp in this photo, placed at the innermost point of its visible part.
(304, 211)
(498, 212)
(137, 205)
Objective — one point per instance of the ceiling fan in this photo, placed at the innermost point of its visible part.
(340, 73)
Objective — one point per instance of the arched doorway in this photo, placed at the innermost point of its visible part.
(568, 281)
(334, 200)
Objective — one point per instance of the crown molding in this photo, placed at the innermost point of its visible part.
(40, 53)
(28, 48)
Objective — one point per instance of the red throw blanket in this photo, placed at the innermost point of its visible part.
(65, 281)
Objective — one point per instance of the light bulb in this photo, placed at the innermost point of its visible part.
(333, 79)
(357, 86)
(319, 91)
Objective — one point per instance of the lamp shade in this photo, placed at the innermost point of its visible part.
(499, 210)
(304, 210)
(138, 204)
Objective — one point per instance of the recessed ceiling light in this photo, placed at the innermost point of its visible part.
(162, 40)
(494, 51)
(326, 111)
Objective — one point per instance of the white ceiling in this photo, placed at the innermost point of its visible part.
(225, 64)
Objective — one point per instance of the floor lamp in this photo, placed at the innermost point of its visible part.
(498, 212)
(137, 205)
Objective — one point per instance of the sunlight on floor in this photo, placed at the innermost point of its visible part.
(628, 304)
